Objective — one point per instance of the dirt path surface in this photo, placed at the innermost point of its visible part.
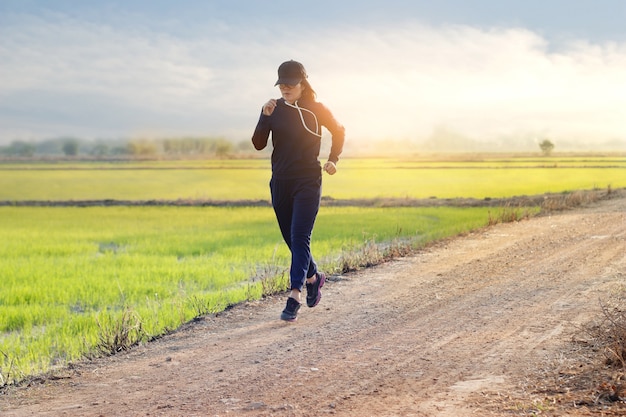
(459, 329)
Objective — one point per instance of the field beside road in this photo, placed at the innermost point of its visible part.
(235, 180)
(77, 281)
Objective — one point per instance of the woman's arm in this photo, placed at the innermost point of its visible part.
(338, 133)
(262, 130)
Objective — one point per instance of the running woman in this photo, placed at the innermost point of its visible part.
(296, 121)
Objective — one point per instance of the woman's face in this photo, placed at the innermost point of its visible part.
(291, 93)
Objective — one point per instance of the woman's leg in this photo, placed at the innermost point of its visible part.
(282, 202)
(296, 204)
(306, 204)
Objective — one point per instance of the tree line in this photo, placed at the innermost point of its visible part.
(74, 147)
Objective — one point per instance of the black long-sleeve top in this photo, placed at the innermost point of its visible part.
(296, 150)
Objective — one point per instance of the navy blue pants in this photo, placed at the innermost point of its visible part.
(296, 203)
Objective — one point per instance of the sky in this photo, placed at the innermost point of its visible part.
(509, 73)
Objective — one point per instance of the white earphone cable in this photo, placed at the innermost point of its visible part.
(317, 127)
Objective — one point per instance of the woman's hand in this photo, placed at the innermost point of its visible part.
(330, 167)
(268, 108)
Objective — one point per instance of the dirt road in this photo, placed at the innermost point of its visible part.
(463, 328)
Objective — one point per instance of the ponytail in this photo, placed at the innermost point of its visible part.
(308, 93)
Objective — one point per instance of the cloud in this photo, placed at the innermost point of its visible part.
(482, 83)
(65, 76)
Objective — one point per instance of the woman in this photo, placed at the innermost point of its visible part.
(296, 121)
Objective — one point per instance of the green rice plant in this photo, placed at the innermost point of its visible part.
(153, 183)
(508, 214)
(272, 278)
(464, 181)
(357, 178)
(118, 333)
(388, 232)
(8, 372)
(75, 281)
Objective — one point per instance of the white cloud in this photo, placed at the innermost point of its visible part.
(63, 76)
(74, 57)
(480, 83)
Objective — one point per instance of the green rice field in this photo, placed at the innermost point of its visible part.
(72, 278)
(356, 178)
(66, 269)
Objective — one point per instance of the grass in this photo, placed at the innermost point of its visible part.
(83, 280)
(607, 333)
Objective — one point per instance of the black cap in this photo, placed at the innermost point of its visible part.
(291, 73)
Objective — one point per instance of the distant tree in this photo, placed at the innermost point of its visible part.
(70, 147)
(546, 147)
(188, 146)
(223, 148)
(20, 148)
(142, 148)
(120, 150)
(50, 146)
(100, 149)
(244, 145)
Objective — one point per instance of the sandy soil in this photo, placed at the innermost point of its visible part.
(483, 325)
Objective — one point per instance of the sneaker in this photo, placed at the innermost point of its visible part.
(313, 290)
(290, 313)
